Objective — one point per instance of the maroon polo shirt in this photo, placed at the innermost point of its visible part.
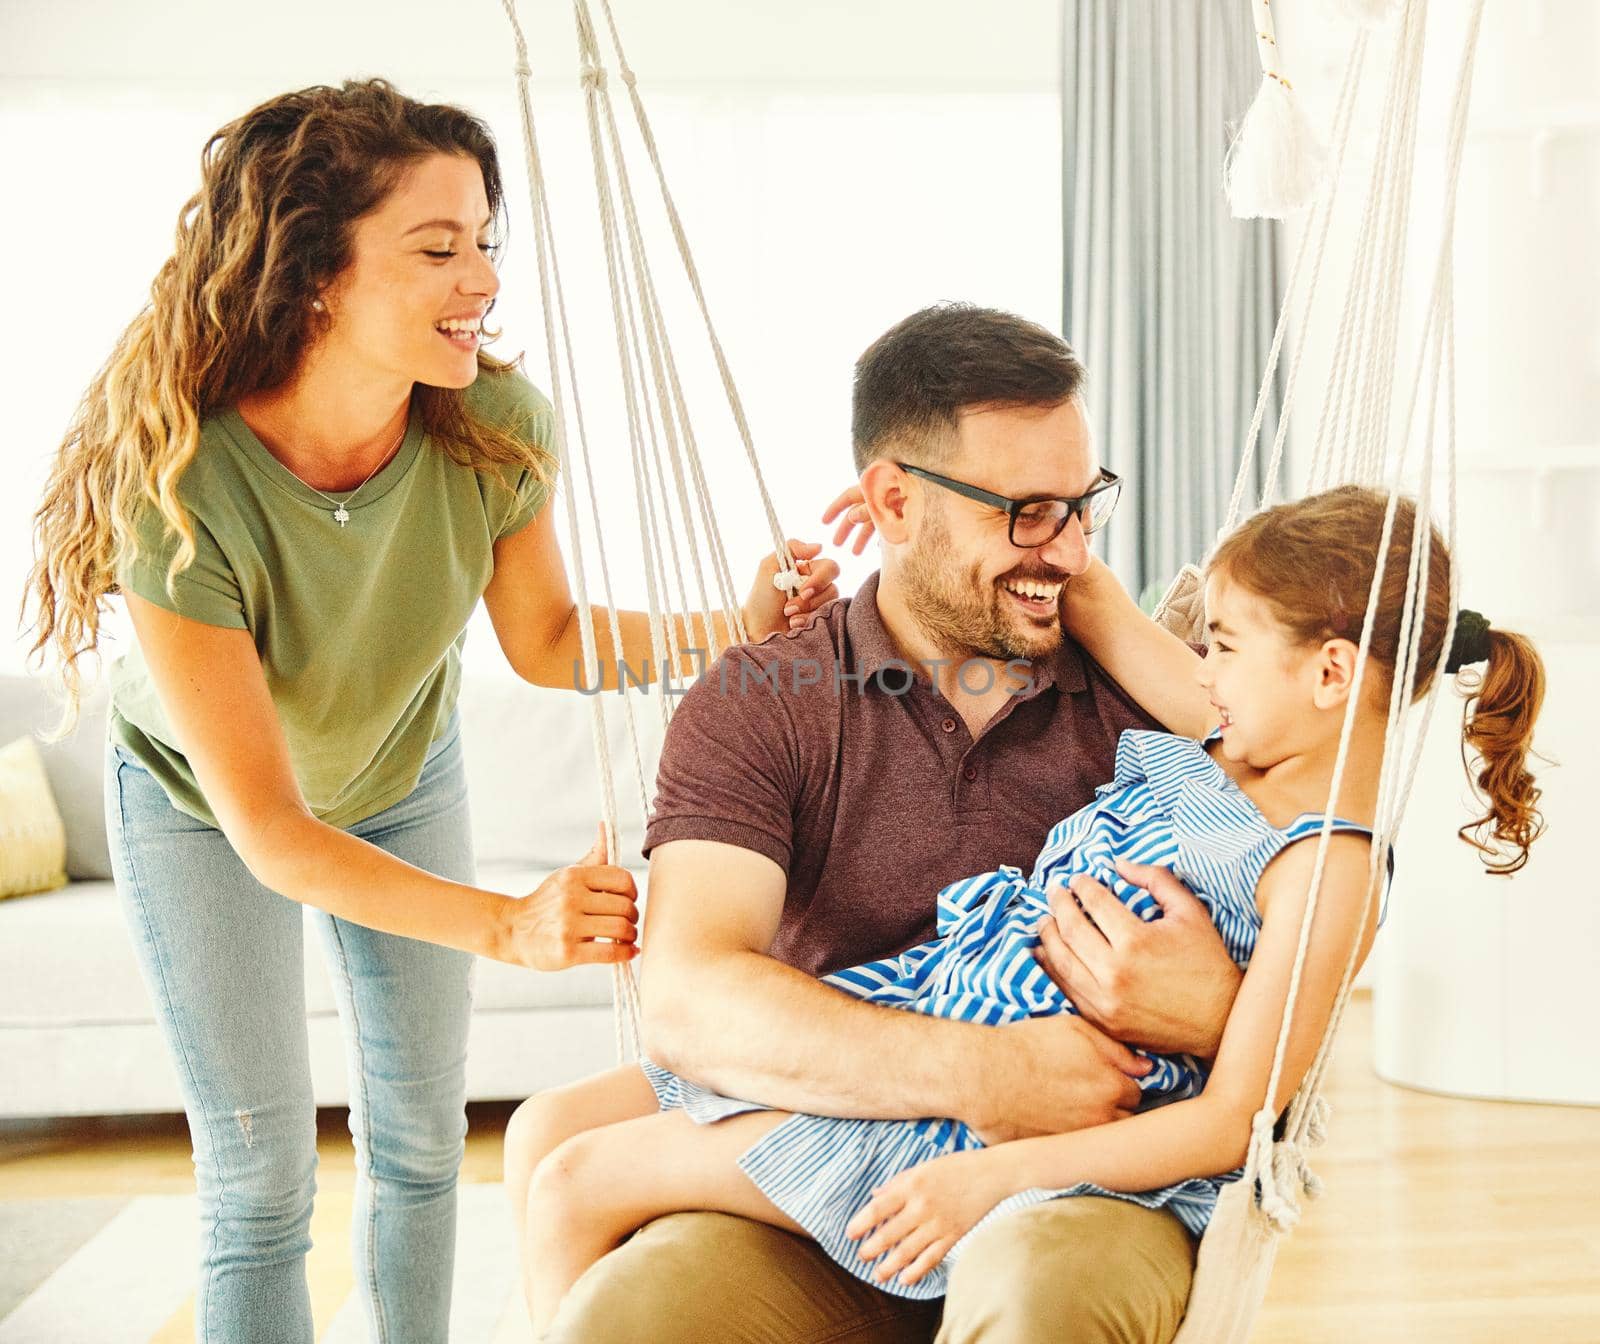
(821, 749)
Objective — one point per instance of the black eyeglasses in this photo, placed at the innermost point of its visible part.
(1038, 521)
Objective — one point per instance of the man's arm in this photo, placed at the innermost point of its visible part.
(719, 1010)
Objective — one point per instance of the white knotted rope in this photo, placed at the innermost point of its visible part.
(624, 988)
(735, 402)
(1350, 436)
(1396, 763)
(639, 293)
(656, 412)
(1439, 345)
(1319, 228)
(1239, 1246)
(1366, 12)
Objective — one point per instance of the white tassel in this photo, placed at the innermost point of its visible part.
(1280, 1172)
(1262, 1165)
(1311, 1182)
(1275, 164)
(1367, 13)
(1280, 1198)
(1317, 1122)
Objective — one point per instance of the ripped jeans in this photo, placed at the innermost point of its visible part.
(222, 957)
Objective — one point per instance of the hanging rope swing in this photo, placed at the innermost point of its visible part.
(677, 521)
(1274, 167)
(1353, 443)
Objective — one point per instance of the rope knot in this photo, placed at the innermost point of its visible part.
(592, 77)
(522, 70)
(1260, 1141)
(1313, 1182)
(1278, 1198)
(628, 77)
(1317, 1122)
(1262, 1163)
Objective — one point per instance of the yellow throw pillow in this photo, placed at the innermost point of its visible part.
(33, 842)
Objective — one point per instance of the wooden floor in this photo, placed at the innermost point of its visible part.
(1444, 1220)
(1469, 1221)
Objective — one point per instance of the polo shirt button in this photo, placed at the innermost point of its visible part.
(949, 725)
(969, 774)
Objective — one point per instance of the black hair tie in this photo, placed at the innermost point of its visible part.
(1471, 644)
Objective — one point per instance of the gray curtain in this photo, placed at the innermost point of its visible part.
(1170, 301)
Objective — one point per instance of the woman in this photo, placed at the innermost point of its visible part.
(302, 473)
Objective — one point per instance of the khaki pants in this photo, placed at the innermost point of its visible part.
(1083, 1270)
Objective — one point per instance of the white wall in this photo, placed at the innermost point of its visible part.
(1527, 286)
(837, 164)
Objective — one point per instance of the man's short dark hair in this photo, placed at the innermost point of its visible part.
(914, 379)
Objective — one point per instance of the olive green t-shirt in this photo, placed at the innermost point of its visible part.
(360, 627)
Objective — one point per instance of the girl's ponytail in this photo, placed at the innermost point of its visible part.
(1497, 726)
(1314, 563)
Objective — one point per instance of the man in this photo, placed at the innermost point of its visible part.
(816, 790)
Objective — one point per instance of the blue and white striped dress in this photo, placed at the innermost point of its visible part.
(1171, 805)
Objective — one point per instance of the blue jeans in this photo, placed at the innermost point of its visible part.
(222, 956)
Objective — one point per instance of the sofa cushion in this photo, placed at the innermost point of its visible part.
(65, 959)
(33, 845)
(531, 776)
(74, 766)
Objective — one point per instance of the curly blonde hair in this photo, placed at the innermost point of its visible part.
(230, 315)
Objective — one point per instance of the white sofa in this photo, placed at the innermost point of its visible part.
(77, 1032)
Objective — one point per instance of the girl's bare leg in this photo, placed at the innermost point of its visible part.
(601, 1186)
(546, 1120)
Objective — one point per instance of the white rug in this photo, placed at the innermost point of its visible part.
(133, 1281)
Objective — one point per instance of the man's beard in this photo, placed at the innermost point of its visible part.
(961, 613)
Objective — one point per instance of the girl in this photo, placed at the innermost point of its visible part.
(302, 472)
(891, 1200)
